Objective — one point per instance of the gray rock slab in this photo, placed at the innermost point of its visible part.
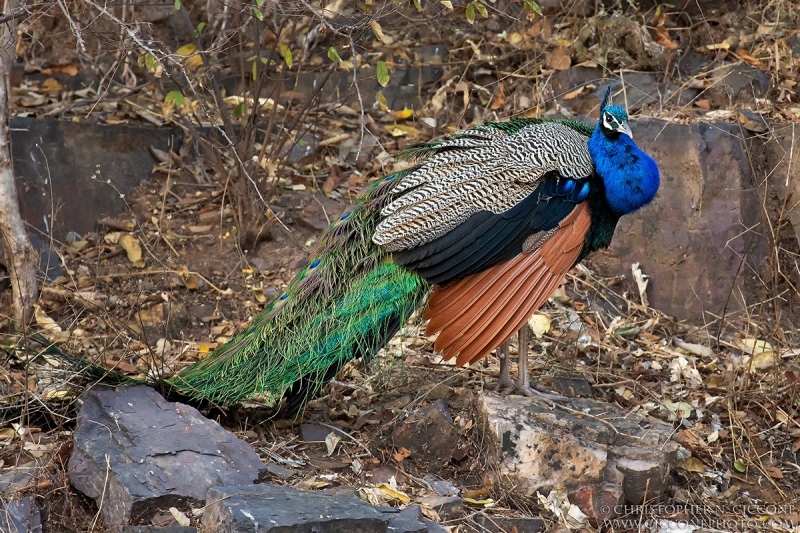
(21, 516)
(409, 520)
(602, 455)
(64, 166)
(429, 434)
(446, 507)
(498, 524)
(278, 509)
(159, 454)
(705, 219)
(14, 479)
(152, 529)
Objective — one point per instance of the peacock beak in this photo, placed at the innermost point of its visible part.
(626, 129)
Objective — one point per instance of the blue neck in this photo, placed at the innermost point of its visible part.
(630, 176)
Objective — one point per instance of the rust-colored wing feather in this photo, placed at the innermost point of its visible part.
(476, 314)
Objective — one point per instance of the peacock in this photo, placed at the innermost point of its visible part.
(477, 234)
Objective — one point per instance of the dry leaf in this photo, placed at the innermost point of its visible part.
(580, 91)
(692, 464)
(378, 31)
(680, 367)
(134, 251)
(753, 346)
(741, 54)
(762, 361)
(499, 100)
(773, 472)
(52, 85)
(393, 494)
(401, 455)
(61, 394)
(478, 493)
(695, 349)
(483, 503)
(677, 410)
(50, 327)
(399, 130)
(331, 441)
(662, 38)
(403, 114)
(559, 59)
(540, 324)
(641, 283)
(179, 517)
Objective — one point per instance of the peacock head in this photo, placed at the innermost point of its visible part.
(613, 119)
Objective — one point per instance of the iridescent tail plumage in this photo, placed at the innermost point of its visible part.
(346, 303)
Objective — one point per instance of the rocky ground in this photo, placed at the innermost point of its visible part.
(680, 371)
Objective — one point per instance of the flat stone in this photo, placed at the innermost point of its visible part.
(446, 507)
(15, 478)
(738, 82)
(706, 217)
(67, 164)
(501, 524)
(279, 509)
(311, 432)
(572, 385)
(600, 454)
(384, 474)
(160, 454)
(152, 529)
(21, 516)
(279, 471)
(434, 527)
(442, 487)
(409, 520)
(160, 321)
(429, 434)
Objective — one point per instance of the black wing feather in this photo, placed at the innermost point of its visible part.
(487, 239)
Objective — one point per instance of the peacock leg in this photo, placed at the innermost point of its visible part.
(505, 378)
(523, 384)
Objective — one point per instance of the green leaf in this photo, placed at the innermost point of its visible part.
(333, 55)
(174, 98)
(177, 4)
(383, 73)
(199, 29)
(381, 99)
(481, 9)
(254, 70)
(471, 13)
(150, 62)
(240, 110)
(740, 466)
(257, 12)
(418, 5)
(286, 54)
(627, 331)
(260, 3)
(533, 6)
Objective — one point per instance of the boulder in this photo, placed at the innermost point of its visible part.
(600, 454)
(277, 509)
(137, 454)
(702, 240)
